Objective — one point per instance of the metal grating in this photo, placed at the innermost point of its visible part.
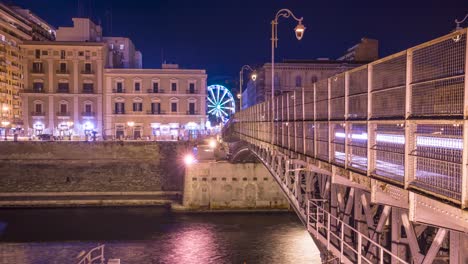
(389, 151)
(389, 73)
(309, 105)
(358, 82)
(291, 103)
(337, 86)
(437, 158)
(337, 108)
(357, 107)
(291, 126)
(322, 140)
(443, 59)
(299, 137)
(357, 145)
(338, 143)
(298, 105)
(440, 97)
(309, 138)
(321, 96)
(389, 103)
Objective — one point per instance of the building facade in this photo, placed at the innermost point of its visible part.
(63, 87)
(16, 25)
(156, 104)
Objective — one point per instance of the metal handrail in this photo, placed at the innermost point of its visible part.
(341, 239)
(89, 259)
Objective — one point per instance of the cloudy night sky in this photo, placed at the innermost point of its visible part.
(221, 36)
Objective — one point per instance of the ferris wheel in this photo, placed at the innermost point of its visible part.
(221, 103)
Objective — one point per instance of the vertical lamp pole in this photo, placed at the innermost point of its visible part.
(241, 81)
(299, 30)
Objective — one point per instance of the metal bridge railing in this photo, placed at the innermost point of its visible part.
(401, 119)
(95, 255)
(343, 240)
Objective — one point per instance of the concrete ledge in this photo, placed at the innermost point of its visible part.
(51, 194)
(85, 203)
(179, 208)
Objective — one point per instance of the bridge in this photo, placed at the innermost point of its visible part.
(374, 160)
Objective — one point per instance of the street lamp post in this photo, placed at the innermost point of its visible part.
(299, 30)
(241, 81)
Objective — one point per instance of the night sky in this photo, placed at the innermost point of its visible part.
(222, 35)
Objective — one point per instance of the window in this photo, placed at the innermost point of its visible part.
(88, 108)
(120, 87)
(137, 86)
(174, 87)
(63, 67)
(38, 87)
(80, 53)
(122, 46)
(87, 67)
(191, 88)
(63, 87)
(63, 108)
(156, 108)
(137, 107)
(298, 81)
(62, 54)
(38, 54)
(174, 107)
(191, 108)
(38, 108)
(155, 87)
(314, 79)
(37, 67)
(111, 46)
(45, 53)
(88, 87)
(119, 108)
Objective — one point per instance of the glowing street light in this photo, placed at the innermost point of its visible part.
(212, 143)
(189, 159)
(299, 31)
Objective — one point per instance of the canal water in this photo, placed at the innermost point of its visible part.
(149, 235)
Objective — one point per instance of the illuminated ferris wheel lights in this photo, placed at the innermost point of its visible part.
(221, 104)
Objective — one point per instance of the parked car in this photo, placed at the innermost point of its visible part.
(45, 137)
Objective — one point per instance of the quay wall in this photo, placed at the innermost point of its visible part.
(226, 186)
(30, 167)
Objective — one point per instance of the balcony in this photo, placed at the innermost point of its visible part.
(37, 71)
(65, 72)
(118, 90)
(63, 113)
(63, 90)
(37, 114)
(36, 90)
(156, 112)
(88, 114)
(192, 91)
(119, 112)
(193, 112)
(87, 72)
(88, 91)
(155, 91)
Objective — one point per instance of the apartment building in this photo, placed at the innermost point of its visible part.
(167, 103)
(63, 87)
(16, 25)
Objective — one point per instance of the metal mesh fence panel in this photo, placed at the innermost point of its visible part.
(389, 103)
(291, 103)
(337, 108)
(437, 159)
(337, 86)
(389, 151)
(389, 73)
(299, 137)
(322, 140)
(292, 135)
(309, 138)
(298, 105)
(357, 145)
(442, 59)
(440, 97)
(285, 134)
(357, 106)
(321, 96)
(338, 143)
(309, 105)
(358, 82)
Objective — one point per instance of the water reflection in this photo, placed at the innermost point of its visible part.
(149, 235)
